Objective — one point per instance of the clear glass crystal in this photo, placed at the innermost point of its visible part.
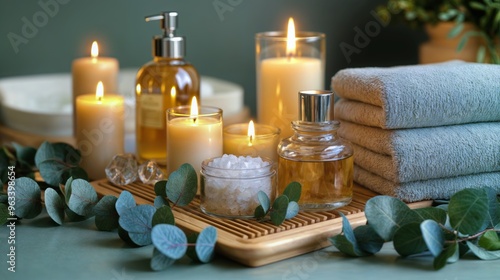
(122, 169)
(150, 172)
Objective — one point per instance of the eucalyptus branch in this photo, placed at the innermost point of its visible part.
(472, 237)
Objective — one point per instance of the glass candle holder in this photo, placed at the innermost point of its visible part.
(232, 192)
(283, 70)
(264, 141)
(192, 138)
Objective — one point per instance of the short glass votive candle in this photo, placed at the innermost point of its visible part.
(285, 65)
(192, 138)
(229, 189)
(264, 143)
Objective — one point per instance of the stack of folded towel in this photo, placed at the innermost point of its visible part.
(423, 131)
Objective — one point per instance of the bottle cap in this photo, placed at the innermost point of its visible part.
(316, 106)
(167, 45)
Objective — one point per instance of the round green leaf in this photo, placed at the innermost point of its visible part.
(28, 200)
(169, 240)
(161, 188)
(448, 255)
(468, 211)
(493, 206)
(386, 214)
(433, 236)
(83, 198)
(123, 234)
(264, 201)
(483, 253)
(163, 215)
(73, 217)
(432, 213)
(490, 241)
(125, 201)
(292, 191)
(76, 173)
(57, 151)
(52, 171)
(205, 244)
(278, 213)
(259, 212)
(182, 185)
(368, 240)
(408, 240)
(292, 210)
(191, 250)
(25, 155)
(346, 242)
(137, 221)
(160, 201)
(54, 205)
(106, 216)
(159, 261)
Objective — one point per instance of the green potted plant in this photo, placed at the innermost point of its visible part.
(466, 27)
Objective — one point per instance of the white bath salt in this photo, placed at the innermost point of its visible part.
(232, 183)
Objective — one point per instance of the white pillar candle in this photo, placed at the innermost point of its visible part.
(249, 139)
(88, 71)
(99, 130)
(281, 74)
(193, 136)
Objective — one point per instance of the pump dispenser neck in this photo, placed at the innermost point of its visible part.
(167, 45)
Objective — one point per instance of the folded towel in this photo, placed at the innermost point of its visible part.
(420, 95)
(442, 188)
(405, 155)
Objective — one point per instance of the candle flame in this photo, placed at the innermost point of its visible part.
(290, 40)
(251, 133)
(138, 88)
(99, 92)
(94, 51)
(194, 109)
(173, 92)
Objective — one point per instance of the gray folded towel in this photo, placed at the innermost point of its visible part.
(420, 95)
(442, 188)
(405, 155)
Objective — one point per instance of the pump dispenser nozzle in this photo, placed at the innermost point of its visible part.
(167, 45)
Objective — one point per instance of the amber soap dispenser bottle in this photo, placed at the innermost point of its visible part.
(166, 81)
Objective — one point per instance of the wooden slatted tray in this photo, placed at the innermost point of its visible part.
(253, 243)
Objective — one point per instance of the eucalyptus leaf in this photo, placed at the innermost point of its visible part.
(182, 185)
(293, 191)
(159, 261)
(205, 244)
(432, 213)
(264, 201)
(76, 173)
(386, 214)
(67, 189)
(468, 210)
(448, 253)
(123, 234)
(346, 242)
(83, 198)
(55, 206)
(433, 236)
(161, 188)
(259, 212)
(483, 253)
(106, 216)
(191, 250)
(368, 240)
(57, 151)
(408, 240)
(72, 216)
(163, 215)
(169, 240)
(160, 201)
(278, 213)
(125, 201)
(4, 214)
(25, 155)
(52, 171)
(292, 210)
(137, 221)
(28, 200)
(493, 207)
(490, 241)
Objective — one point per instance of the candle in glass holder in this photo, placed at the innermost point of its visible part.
(286, 64)
(252, 140)
(99, 130)
(193, 135)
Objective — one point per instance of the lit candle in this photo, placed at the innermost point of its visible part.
(285, 69)
(99, 130)
(252, 140)
(88, 71)
(193, 135)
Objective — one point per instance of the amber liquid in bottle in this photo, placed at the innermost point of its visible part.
(325, 184)
(161, 84)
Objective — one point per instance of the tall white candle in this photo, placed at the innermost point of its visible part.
(193, 136)
(281, 78)
(99, 130)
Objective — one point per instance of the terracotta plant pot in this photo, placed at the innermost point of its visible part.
(441, 48)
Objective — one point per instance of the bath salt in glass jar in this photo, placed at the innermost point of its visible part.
(229, 185)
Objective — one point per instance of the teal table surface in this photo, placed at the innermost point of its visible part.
(74, 251)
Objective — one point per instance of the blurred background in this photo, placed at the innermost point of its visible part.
(220, 34)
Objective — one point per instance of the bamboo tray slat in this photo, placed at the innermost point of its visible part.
(254, 243)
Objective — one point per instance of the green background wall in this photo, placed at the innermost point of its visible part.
(220, 34)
